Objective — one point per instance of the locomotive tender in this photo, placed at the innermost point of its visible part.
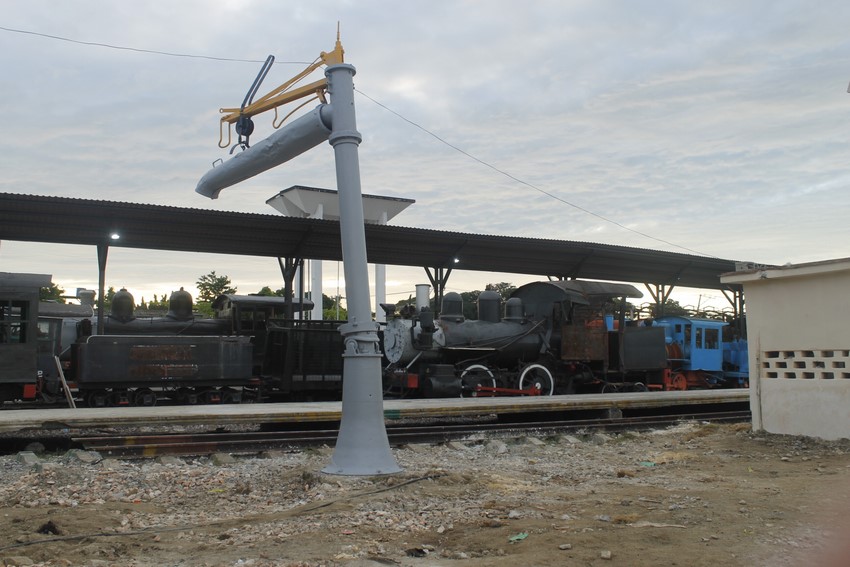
(555, 337)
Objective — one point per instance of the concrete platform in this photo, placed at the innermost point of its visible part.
(81, 418)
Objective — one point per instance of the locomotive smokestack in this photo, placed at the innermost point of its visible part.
(423, 296)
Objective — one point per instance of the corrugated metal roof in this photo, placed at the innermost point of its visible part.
(156, 227)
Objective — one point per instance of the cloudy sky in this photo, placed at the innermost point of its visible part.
(718, 128)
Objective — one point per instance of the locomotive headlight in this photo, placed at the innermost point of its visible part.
(114, 236)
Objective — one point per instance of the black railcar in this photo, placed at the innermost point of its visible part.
(251, 349)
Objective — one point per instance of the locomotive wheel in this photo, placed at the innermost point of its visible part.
(230, 396)
(679, 382)
(209, 396)
(144, 397)
(539, 376)
(119, 398)
(98, 399)
(187, 396)
(476, 375)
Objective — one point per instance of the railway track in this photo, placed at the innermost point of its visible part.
(141, 446)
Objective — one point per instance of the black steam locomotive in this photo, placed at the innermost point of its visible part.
(556, 337)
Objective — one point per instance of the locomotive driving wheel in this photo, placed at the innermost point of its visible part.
(473, 376)
(230, 396)
(144, 397)
(97, 398)
(537, 375)
(679, 382)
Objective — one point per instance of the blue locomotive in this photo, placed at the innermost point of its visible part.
(700, 356)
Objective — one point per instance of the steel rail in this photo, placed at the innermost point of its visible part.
(140, 446)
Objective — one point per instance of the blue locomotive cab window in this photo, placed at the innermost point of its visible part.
(712, 339)
(14, 317)
(698, 341)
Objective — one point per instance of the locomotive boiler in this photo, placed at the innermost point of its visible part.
(449, 355)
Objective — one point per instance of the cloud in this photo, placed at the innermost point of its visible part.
(716, 127)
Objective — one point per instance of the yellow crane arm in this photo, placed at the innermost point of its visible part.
(271, 102)
(282, 94)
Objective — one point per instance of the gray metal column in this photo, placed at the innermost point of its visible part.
(438, 280)
(102, 251)
(289, 268)
(362, 447)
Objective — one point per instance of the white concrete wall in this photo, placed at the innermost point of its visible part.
(799, 348)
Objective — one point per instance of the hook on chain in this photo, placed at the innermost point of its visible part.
(244, 125)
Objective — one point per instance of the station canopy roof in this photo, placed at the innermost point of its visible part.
(155, 227)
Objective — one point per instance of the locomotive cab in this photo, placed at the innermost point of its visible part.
(19, 340)
(595, 349)
(697, 342)
(699, 355)
(49, 347)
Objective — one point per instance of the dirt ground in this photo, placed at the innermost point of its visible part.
(690, 495)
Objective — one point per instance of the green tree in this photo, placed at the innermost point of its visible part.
(470, 298)
(670, 307)
(268, 292)
(160, 302)
(51, 293)
(504, 289)
(403, 304)
(204, 309)
(108, 297)
(332, 311)
(470, 304)
(210, 286)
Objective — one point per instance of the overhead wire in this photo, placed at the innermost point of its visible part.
(388, 109)
(523, 182)
(139, 50)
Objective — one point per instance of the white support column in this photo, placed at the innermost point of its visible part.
(381, 283)
(297, 292)
(316, 275)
